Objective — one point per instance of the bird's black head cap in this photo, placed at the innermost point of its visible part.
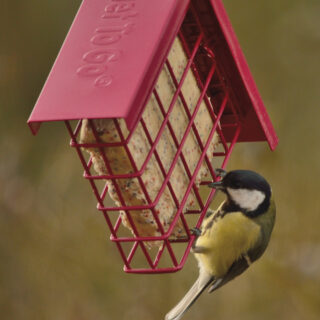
(244, 179)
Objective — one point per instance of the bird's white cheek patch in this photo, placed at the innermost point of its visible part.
(246, 199)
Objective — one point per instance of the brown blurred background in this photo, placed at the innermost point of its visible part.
(56, 261)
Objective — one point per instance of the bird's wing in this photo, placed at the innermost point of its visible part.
(235, 270)
(203, 281)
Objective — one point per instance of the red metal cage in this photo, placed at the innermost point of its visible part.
(231, 100)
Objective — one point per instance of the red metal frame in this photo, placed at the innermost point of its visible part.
(226, 87)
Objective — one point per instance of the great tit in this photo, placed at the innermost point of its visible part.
(233, 236)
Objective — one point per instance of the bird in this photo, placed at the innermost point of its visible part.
(232, 237)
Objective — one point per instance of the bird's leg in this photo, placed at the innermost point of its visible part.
(196, 232)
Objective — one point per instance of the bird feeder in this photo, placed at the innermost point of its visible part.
(161, 93)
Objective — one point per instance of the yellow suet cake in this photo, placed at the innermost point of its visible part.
(139, 148)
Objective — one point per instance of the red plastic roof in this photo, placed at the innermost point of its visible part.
(109, 60)
(114, 51)
(257, 126)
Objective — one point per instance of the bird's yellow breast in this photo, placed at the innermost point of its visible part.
(225, 241)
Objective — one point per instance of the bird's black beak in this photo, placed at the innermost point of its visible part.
(216, 185)
(220, 173)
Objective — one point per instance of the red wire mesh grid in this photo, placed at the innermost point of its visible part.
(172, 255)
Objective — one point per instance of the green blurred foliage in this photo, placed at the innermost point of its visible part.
(56, 260)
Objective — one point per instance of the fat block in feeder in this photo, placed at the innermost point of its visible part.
(139, 146)
(161, 92)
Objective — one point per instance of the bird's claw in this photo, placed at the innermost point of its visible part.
(219, 172)
(195, 231)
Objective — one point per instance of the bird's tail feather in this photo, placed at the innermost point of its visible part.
(191, 296)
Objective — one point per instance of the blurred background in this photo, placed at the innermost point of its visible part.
(56, 261)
